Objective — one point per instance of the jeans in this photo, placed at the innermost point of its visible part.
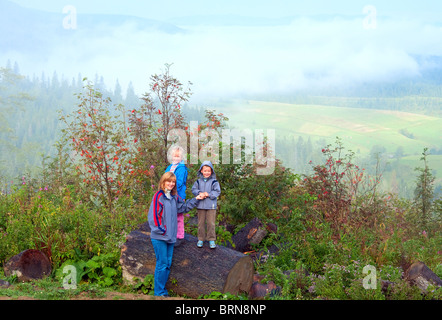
(163, 253)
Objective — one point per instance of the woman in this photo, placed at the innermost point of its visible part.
(162, 217)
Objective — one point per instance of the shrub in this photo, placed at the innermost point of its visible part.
(63, 227)
(356, 291)
(345, 194)
(104, 270)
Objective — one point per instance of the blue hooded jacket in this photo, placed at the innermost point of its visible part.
(181, 178)
(209, 185)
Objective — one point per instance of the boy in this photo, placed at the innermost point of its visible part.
(207, 187)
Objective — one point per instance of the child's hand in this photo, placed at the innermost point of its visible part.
(203, 195)
(199, 197)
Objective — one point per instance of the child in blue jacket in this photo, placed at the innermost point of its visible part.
(178, 167)
(208, 187)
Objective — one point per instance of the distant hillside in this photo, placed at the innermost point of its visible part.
(29, 30)
(396, 138)
(362, 129)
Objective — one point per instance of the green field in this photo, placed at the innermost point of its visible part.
(359, 129)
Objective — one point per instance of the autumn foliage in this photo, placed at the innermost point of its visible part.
(345, 193)
(102, 147)
(116, 149)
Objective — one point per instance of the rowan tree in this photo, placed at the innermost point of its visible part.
(162, 107)
(101, 144)
(343, 190)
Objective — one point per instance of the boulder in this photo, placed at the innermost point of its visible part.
(252, 234)
(420, 275)
(261, 290)
(4, 284)
(28, 265)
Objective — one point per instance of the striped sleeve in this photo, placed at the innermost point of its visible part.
(158, 212)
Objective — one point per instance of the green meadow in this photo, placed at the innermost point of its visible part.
(361, 130)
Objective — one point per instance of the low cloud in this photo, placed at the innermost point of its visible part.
(227, 60)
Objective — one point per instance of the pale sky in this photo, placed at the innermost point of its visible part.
(231, 59)
(163, 10)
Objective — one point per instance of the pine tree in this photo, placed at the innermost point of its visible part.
(424, 192)
(132, 101)
(118, 98)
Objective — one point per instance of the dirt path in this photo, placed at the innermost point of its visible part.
(124, 296)
(109, 296)
(112, 295)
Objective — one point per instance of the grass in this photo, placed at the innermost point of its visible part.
(51, 289)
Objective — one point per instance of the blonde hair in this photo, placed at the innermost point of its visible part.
(174, 149)
(168, 176)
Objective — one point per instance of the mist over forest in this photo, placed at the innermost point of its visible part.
(226, 54)
(378, 59)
